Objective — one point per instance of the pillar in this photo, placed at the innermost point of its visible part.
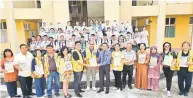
(126, 10)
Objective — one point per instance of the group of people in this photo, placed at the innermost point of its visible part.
(53, 61)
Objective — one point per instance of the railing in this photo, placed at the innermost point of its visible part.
(4, 36)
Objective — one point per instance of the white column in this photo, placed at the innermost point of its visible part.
(11, 26)
(126, 10)
(47, 11)
(161, 25)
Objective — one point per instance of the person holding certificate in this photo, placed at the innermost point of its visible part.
(22, 62)
(169, 59)
(38, 73)
(77, 67)
(91, 60)
(10, 73)
(104, 58)
(154, 69)
(65, 70)
(141, 67)
(129, 59)
(117, 66)
(184, 62)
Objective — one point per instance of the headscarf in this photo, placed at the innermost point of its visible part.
(154, 54)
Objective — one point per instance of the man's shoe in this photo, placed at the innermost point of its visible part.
(181, 93)
(100, 90)
(57, 94)
(78, 94)
(17, 96)
(32, 93)
(81, 91)
(185, 94)
(26, 97)
(107, 92)
(123, 86)
(130, 87)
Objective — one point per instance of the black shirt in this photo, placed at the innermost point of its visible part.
(183, 54)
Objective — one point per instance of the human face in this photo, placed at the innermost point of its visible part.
(186, 47)
(144, 28)
(142, 47)
(117, 47)
(23, 49)
(51, 31)
(77, 23)
(38, 38)
(8, 54)
(59, 31)
(45, 38)
(33, 39)
(91, 45)
(78, 46)
(51, 39)
(38, 53)
(166, 46)
(153, 50)
(65, 51)
(50, 50)
(68, 23)
(104, 46)
(91, 21)
(129, 47)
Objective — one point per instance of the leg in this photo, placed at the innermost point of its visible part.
(65, 87)
(115, 75)
(14, 87)
(124, 75)
(150, 83)
(10, 89)
(57, 82)
(43, 84)
(119, 82)
(76, 81)
(38, 88)
(155, 84)
(130, 75)
(101, 77)
(93, 77)
(49, 83)
(107, 73)
(181, 80)
(170, 75)
(23, 84)
(81, 73)
(29, 84)
(188, 81)
(88, 72)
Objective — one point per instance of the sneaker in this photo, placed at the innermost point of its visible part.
(78, 94)
(94, 88)
(88, 88)
(117, 91)
(181, 93)
(169, 94)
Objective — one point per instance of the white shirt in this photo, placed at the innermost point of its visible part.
(24, 62)
(128, 56)
(44, 44)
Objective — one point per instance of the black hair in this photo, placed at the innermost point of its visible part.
(33, 36)
(104, 34)
(84, 29)
(62, 49)
(108, 27)
(7, 50)
(92, 34)
(51, 37)
(52, 29)
(39, 36)
(60, 29)
(73, 35)
(22, 45)
(45, 36)
(105, 44)
(77, 42)
(169, 45)
(49, 46)
(142, 44)
(128, 32)
(113, 35)
(82, 37)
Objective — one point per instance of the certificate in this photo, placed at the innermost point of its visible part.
(92, 62)
(39, 69)
(117, 61)
(142, 58)
(128, 58)
(168, 60)
(183, 60)
(153, 61)
(68, 66)
(9, 67)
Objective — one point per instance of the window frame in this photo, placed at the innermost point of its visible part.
(170, 25)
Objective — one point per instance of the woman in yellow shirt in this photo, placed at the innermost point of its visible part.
(117, 66)
(65, 69)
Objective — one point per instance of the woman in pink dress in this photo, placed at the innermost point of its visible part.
(154, 69)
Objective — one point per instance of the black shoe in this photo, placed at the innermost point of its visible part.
(78, 94)
(107, 92)
(181, 93)
(57, 94)
(123, 86)
(100, 90)
(49, 96)
(17, 96)
(81, 91)
(26, 97)
(32, 93)
(185, 94)
(130, 87)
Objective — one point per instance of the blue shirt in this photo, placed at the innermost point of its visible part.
(104, 57)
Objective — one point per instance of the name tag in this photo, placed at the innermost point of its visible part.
(142, 58)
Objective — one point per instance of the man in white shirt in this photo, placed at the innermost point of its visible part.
(22, 62)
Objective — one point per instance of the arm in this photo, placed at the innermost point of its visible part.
(33, 68)
(16, 64)
(2, 66)
(147, 58)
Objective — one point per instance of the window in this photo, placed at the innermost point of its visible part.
(170, 27)
(4, 37)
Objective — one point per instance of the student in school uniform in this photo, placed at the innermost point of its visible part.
(69, 27)
(84, 43)
(10, 73)
(53, 34)
(54, 44)
(44, 43)
(33, 45)
(113, 41)
(121, 41)
(117, 66)
(38, 42)
(61, 42)
(104, 40)
(109, 33)
(185, 68)
(65, 69)
(38, 74)
(60, 32)
(77, 26)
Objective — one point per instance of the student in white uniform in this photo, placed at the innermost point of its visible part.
(44, 43)
(109, 33)
(60, 32)
(53, 34)
(77, 33)
(96, 25)
(77, 26)
(145, 36)
(22, 62)
(54, 44)
(122, 42)
(83, 26)
(61, 42)
(42, 32)
(69, 27)
(33, 45)
(38, 42)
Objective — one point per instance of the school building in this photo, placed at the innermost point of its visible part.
(166, 20)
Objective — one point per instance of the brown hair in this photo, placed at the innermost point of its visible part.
(186, 42)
